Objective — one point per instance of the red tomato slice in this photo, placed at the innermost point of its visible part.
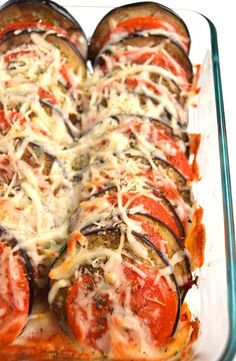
(87, 329)
(134, 82)
(156, 209)
(14, 296)
(92, 314)
(147, 23)
(178, 158)
(156, 303)
(30, 24)
(166, 187)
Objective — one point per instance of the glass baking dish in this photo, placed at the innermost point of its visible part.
(213, 301)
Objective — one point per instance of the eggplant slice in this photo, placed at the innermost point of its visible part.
(182, 185)
(105, 109)
(117, 15)
(173, 243)
(182, 269)
(179, 180)
(179, 136)
(67, 49)
(71, 121)
(151, 41)
(109, 238)
(34, 155)
(170, 84)
(159, 124)
(22, 12)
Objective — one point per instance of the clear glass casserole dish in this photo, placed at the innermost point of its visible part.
(213, 301)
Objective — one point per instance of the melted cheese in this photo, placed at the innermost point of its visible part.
(116, 156)
(37, 205)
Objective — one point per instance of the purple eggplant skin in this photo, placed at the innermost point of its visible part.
(163, 200)
(109, 237)
(72, 54)
(137, 40)
(166, 203)
(159, 123)
(146, 8)
(165, 116)
(178, 178)
(176, 243)
(47, 12)
(12, 242)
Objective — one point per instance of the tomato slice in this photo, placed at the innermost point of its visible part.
(177, 158)
(150, 206)
(154, 208)
(14, 295)
(85, 327)
(30, 24)
(95, 308)
(142, 23)
(166, 187)
(153, 296)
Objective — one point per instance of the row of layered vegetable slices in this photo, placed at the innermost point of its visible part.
(108, 160)
(42, 64)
